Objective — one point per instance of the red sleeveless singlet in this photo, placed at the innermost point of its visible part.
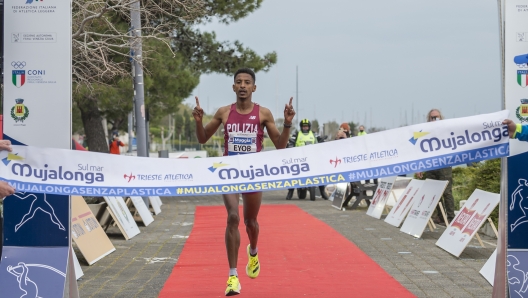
(242, 132)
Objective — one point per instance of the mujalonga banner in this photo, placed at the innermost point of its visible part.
(410, 149)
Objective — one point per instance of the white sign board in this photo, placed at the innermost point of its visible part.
(37, 72)
(78, 270)
(155, 205)
(468, 221)
(122, 216)
(397, 190)
(159, 200)
(338, 196)
(488, 270)
(142, 209)
(424, 204)
(404, 204)
(380, 197)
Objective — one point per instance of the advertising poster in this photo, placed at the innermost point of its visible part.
(87, 233)
(424, 204)
(404, 203)
(468, 221)
(142, 210)
(380, 197)
(122, 216)
(338, 196)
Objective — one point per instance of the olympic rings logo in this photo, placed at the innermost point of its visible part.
(18, 64)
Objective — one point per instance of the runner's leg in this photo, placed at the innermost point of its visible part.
(232, 236)
(252, 203)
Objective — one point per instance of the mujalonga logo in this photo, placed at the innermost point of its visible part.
(19, 112)
(434, 144)
(252, 172)
(48, 173)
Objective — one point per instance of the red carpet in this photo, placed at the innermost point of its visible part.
(300, 256)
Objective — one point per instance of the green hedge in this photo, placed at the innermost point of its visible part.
(484, 176)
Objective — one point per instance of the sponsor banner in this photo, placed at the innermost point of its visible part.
(468, 221)
(404, 204)
(423, 207)
(380, 197)
(411, 149)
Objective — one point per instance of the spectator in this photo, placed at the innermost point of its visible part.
(114, 144)
(343, 132)
(441, 174)
(361, 131)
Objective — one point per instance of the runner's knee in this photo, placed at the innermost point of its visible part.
(251, 223)
(233, 219)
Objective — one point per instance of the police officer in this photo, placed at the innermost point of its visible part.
(304, 137)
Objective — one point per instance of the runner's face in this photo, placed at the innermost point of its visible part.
(244, 86)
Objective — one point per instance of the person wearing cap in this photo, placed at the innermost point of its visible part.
(305, 136)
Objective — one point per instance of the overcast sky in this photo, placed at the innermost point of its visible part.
(371, 62)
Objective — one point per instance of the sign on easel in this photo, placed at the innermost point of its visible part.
(381, 195)
(397, 190)
(155, 205)
(404, 204)
(424, 204)
(142, 210)
(468, 221)
(122, 216)
(160, 203)
(338, 196)
(488, 270)
(87, 233)
(78, 270)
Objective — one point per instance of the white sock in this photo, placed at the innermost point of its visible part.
(233, 271)
(253, 251)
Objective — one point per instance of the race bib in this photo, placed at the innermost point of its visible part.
(241, 143)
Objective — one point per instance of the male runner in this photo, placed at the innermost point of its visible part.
(246, 119)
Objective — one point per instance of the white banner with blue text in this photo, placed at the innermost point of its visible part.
(403, 150)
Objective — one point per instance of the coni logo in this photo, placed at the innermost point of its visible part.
(416, 136)
(10, 157)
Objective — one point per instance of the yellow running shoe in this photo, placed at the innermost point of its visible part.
(253, 266)
(233, 286)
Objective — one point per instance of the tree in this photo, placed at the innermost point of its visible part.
(331, 129)
(101, 69)
(315, 126)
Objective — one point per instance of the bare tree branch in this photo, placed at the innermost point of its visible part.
(102, 36)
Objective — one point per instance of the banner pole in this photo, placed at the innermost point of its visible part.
(500, 284)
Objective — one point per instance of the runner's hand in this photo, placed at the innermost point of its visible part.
(5, 145)
(511, 126)
(198, 111)
(289, 113)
